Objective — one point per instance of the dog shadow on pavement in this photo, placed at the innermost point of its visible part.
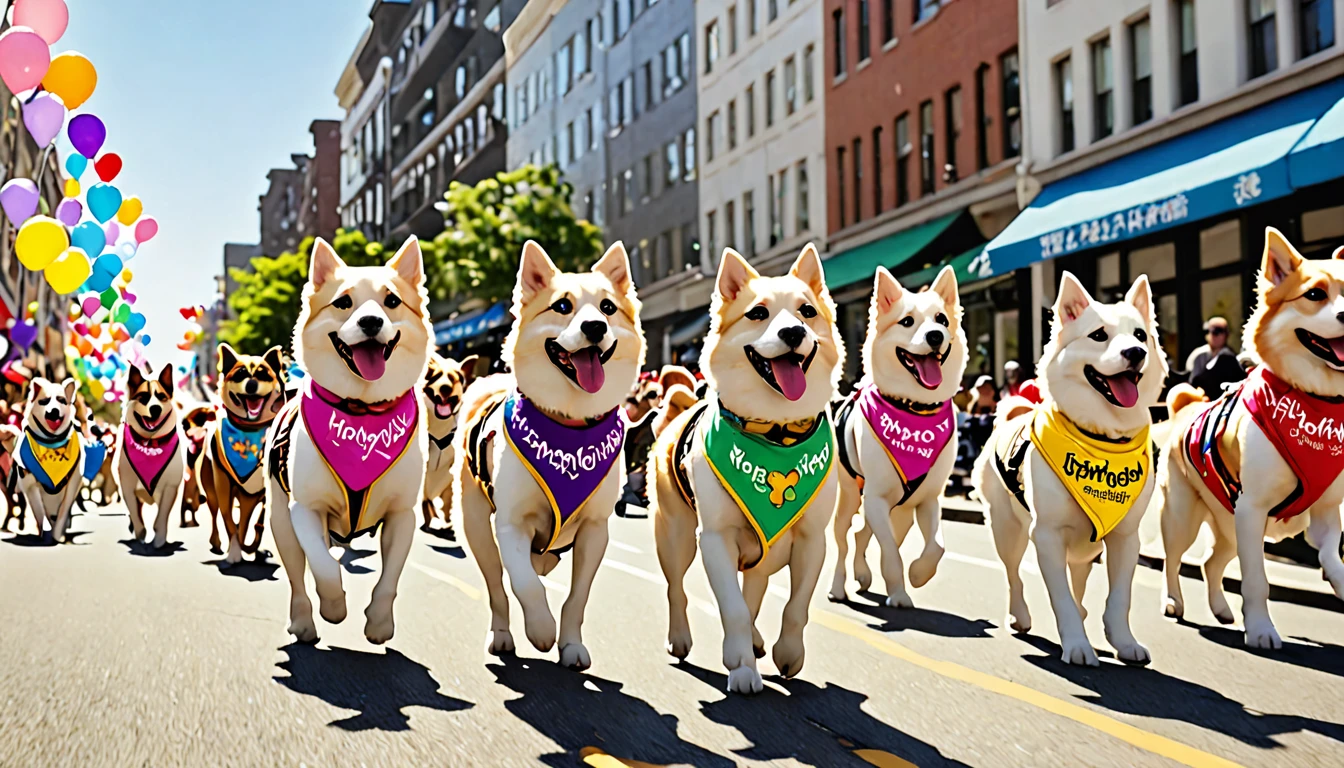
(141, 549)
(1308, 654)
(378, 686)
(924, 620)
(33, 540)
(454, 551)
(248, 570)
(579, 711)
(350, 558)
(1146, 692)
(812, 725)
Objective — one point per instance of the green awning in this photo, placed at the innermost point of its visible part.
(965, 265)
(861, 263)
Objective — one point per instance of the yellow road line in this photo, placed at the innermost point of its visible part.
(447, 578)
(1150, 742)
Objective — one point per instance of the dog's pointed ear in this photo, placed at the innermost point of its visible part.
(274, 358)
(734, 274)
(227, 358)
(1073, 299)
(1339, 253)
(1141, 296)
(615, 264)
(134, 378)
(945, 285)
(70, 389)
(166, 378)
(1281, 259)
(535, 272)
(887, 291)
(808, 269)
(35, 386)
(324, 263)
(468, 368)
(409, 263)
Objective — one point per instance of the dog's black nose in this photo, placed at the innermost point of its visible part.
(252, 387)
(1134, 355)
(1339, 316)
(935, 339)
(154, 411)
(793, 335)
(593, 330)
(53, 414)
(370, 325)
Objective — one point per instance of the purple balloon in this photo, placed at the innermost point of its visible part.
(19, 200)
(113, 232)
(44, 116)
(69, 211)
(87, 134)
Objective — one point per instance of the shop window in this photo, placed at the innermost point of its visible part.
(1222, 297)
(1108, 272)
(1220, 244)
(1157, 262)
(1316, 25)
(1168, 325)
(1323, 224)
(1263, 46)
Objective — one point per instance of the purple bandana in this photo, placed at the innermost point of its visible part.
(359, 447)
(912, 440)
(150, 457)
(569, 463)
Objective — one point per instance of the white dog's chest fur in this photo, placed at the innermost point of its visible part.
(873, 462)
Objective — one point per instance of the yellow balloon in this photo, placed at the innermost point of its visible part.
(69, 271)
(131, 208)
(72, 187)
(41, 239)
(72, 77)
(96, 389)
(126, 275)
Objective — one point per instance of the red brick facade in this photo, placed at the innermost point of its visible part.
(927, 59)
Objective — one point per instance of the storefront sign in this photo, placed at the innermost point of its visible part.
(1121, 225)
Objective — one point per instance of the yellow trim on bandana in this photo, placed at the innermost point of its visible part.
(1104, 477)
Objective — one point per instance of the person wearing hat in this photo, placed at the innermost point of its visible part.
(1213, 365)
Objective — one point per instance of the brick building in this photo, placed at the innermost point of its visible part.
(319, 207)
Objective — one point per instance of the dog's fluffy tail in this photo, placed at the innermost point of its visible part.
(675, 402)
(1183, 395)
(482, 394)
(1010, 408)
(672, 375)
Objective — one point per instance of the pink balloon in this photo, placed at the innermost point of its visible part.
(146, 229)
(43, 116)
(91, 305)
(48, 18)
(24, 59)
(69, 211)
(113, 232)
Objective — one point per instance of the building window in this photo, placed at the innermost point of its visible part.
(888, 21)
(573, 149)
(648, 179)
(903, 150)
(685, 62)
(711, 131)
(1316, 25)
(838, 32)
(925, 9)
(1185, 18)
(710, 241)
(673, 169)
(769, 98)
(752, 25)
(688, 156)
(809, 89)
(790, 85)
(771, 10)
(1064, 92)
(749, 222)
(729, 227)
(1103, 99)
(750, 101)
(732, 125)
(564, 66)
(591, 127)
(802, 220)
(1264, 49)
(711, 45)
(732, 45)
(952, 113)
(583, 57)
(858, 180)
(1141, 71)
(620, 21)
(648, 86)
(1012, 105)
(981, 135)
(926, 142)
(781, 195)
(773, 217)
(865, 38)
(840, 182)
(877, 170)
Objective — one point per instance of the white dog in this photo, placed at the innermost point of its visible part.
(752, 469)
(348, 454)
(898, 431)
(1074, 474)
(50, 455)
(540, 449)
(151, 452)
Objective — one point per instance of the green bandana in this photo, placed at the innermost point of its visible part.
(771, 483)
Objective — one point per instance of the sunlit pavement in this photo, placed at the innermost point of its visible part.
(111, 657)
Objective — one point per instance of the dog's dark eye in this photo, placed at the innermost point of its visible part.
(941, 319)
(1315, 294)
(563, 307)
(392, 301)
(608, 307)
(62, 400)
(1141, 335)
(758, 313)
(343, 302)
(907, 322)
(44, 401)
(1098, 335)
(807, 311)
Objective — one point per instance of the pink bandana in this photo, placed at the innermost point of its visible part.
(359, 447)
(912, 440)
(148, 457)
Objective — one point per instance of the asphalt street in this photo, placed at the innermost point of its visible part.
(112, 656)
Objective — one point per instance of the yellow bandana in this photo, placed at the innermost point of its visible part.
(1105, 477)
(51, 464)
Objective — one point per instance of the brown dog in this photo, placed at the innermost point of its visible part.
(445, 381)
(196, 423)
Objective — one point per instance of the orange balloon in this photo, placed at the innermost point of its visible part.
(83, 345)
(119, 333)
(72, 77)
(96, 331)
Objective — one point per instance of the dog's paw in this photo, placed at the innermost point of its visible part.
(501, 642)
(788, 655)
(160, 542)
(540, 631)
(1336, 581)
(1133, 653)
(1173, 607)
(1080, 653)
(301, 620)
(744, 680)
(863, 575)
(332, 608)
(679, 644)
(378, 624)
(575, 656)
(757, 643)
(1221, 610)
(924, 567)
(899, 600)
(1262, 634)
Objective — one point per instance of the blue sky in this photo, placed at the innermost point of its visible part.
(200, 99)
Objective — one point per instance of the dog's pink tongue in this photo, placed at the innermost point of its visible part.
(1337, 346)
(789, 375)
(588, 369)
(369, 360)
(1125, 389)
(930, 371)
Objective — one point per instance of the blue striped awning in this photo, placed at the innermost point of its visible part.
(459, 328)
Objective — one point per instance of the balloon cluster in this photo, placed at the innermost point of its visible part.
(194, 330)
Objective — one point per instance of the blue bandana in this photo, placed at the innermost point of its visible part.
(241, 448)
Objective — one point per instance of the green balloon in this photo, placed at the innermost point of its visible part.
(122, 314)
(109, 297)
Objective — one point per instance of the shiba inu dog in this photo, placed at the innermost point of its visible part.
(251, 390)
(49, 455)
(540, 450)
(753, 467)
(1074, 474)
(348, 454)
(196, 425)
(151, 456)
(1253, 461)
(445, 383)
(913, 358)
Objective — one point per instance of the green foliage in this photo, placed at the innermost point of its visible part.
(487, 225)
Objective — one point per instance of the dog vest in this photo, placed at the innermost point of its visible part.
(569, 463)
(95, 453)
(913, 435)
(1306, 430)
(1103, 475)
(148, 456)
(239, 449)
(52, 464)
(773, 484)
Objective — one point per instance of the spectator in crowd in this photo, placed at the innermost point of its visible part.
(1012, 377)
(1214, 364)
